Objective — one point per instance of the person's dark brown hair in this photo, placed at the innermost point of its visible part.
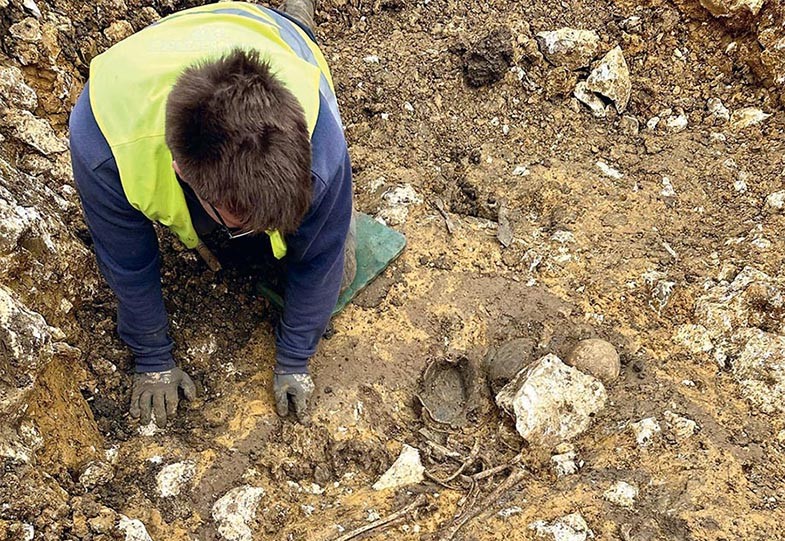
(240, 140)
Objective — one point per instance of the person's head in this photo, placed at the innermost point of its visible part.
(239, 138)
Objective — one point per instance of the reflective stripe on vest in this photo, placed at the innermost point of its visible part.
(129, 84)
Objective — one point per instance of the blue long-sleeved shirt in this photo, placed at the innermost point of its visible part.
(126, 246)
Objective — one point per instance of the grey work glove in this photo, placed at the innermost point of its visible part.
(156, 392)
(297, 386)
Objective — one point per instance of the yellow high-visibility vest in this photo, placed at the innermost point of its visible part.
(130, 82)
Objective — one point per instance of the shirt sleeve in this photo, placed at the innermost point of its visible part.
(125, 244)
(314, 273)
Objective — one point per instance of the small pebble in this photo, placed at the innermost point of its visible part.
(645, 430)
(622, 494)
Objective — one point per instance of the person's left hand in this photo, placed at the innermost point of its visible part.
(297, 386)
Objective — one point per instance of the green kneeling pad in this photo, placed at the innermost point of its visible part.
(377, 247)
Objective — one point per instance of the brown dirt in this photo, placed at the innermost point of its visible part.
(70, 435)
(431, 114)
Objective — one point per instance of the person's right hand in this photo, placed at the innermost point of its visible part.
(156, 392)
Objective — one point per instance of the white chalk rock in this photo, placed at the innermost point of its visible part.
(645, 430)
(694, 338)
(571, 527)
(677, 123)
(552, 402)
(15, 451)
(28, 532)
(14, 91)
(31, 6)
(622, 494)
(172, 477)
(36, 132)
(28, 29)
(775, 202)
(746, 117)
(149, 430)
(235, 510)
(406, 470)
(96, 473)
(568, 47)
(396, 204)
(718, 109)
(133, 529)
(590, 99)
(609, 171)
(682, 427)
(750, 301)
(566, 462)
(760, 369)
(27, 341)
(611, 78)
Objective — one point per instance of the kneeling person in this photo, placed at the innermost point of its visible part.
(217, 116)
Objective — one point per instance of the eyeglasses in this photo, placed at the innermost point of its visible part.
(234, 233)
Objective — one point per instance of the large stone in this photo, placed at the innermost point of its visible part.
(569, 47)
(14, 221)
(552, 402)
(646, 430)
(760, 369)
(727, 8)
(118, 31)
(26, 347)
(235, 510)
(773, 55)
(718, 110)
(744, 320)
(41, 259)
(752, 299)
(14, 92)
(28, 30)
(396, 204)
(36, 132)
(611, 78)
(694, 338)
(32, 7)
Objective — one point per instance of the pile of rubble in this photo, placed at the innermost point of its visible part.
(609, 84)
(740, 324)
